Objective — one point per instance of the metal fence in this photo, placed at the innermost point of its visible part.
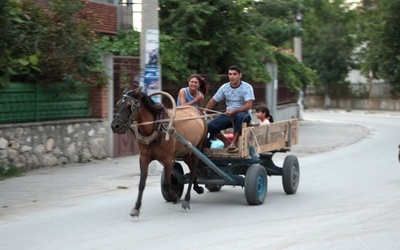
(20, 102)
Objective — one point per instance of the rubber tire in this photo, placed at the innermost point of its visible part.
(290, 174)
(176, 186)
(213, 188)
(256, 184)
(399, 153)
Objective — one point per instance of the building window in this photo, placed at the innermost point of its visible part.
(113, 2)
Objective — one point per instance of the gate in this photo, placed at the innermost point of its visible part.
(126, 68)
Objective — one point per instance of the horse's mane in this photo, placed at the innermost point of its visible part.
(150, 104)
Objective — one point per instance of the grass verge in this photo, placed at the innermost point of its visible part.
(9, 172)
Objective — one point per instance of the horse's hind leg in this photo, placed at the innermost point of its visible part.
(195, 164)
(168, 165)
(144, 166)
(192, 163)
(196, 186)
(186, 202)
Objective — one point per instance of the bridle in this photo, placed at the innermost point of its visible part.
(131, 122)
(135, 106)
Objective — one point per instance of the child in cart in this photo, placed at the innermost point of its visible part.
(264, 115)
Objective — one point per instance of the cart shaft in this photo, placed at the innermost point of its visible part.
(205, 159)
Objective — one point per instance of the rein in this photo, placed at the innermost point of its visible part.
(177, 119)
(158, 127)
(133, 126)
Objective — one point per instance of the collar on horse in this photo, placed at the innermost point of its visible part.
(159, 127)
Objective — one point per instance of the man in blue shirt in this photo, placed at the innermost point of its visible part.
(239, 97)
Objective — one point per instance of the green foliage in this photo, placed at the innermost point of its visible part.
(275, 20)
(9, 171)
(292, 73)
(18, 43)
(173, 61)
(50, 45)
(328, 40)
(209, 36)
(125, 43)
(381, 37)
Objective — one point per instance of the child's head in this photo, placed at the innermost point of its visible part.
(263, 112)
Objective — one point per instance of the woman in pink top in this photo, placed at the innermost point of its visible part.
(264, 115)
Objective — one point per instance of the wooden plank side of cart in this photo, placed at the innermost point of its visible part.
(271, 137)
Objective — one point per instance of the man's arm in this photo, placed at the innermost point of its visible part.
(246, 107)
(211, 103)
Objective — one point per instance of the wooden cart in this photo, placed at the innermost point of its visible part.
(249, 166)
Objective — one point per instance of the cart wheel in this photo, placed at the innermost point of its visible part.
(290, 174)
(255, 185)
(399, 152)
(213, 188)
(176, 186)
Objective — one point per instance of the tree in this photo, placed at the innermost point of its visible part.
(18, 47)
(381, 39)
(125, 43)
(209, 36)
(329, 41)
(50, 45)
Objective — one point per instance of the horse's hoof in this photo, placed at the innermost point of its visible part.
(134, 212)
(199, 190)
(175, 198)
(185, 204)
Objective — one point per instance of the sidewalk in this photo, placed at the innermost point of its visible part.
(47, 185)
(318, 137)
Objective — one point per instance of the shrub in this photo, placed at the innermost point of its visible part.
(8, 172)
(50, 45)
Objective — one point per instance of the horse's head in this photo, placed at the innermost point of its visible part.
(128, 108)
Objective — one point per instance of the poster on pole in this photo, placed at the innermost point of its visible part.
(152, 81)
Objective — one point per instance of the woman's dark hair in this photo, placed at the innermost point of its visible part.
(202, 81)
(264, 109)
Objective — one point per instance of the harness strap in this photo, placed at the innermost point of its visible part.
(159, 128)
(146, 140)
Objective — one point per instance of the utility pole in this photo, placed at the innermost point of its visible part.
(150, 69)
(298, 55)
(149, 49)
(272, 89)
(149, 22)
(297, 39)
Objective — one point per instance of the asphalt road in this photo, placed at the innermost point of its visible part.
(347, 199)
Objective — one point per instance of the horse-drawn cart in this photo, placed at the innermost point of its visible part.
(248, 167)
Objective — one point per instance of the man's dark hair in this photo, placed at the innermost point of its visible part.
(234, 67)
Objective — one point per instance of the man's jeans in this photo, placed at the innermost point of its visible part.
(223, 122)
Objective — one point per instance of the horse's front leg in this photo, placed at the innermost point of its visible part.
(144, 167)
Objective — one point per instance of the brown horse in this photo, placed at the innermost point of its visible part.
(139, 109)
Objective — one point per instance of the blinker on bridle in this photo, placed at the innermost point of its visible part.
(134, 106)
